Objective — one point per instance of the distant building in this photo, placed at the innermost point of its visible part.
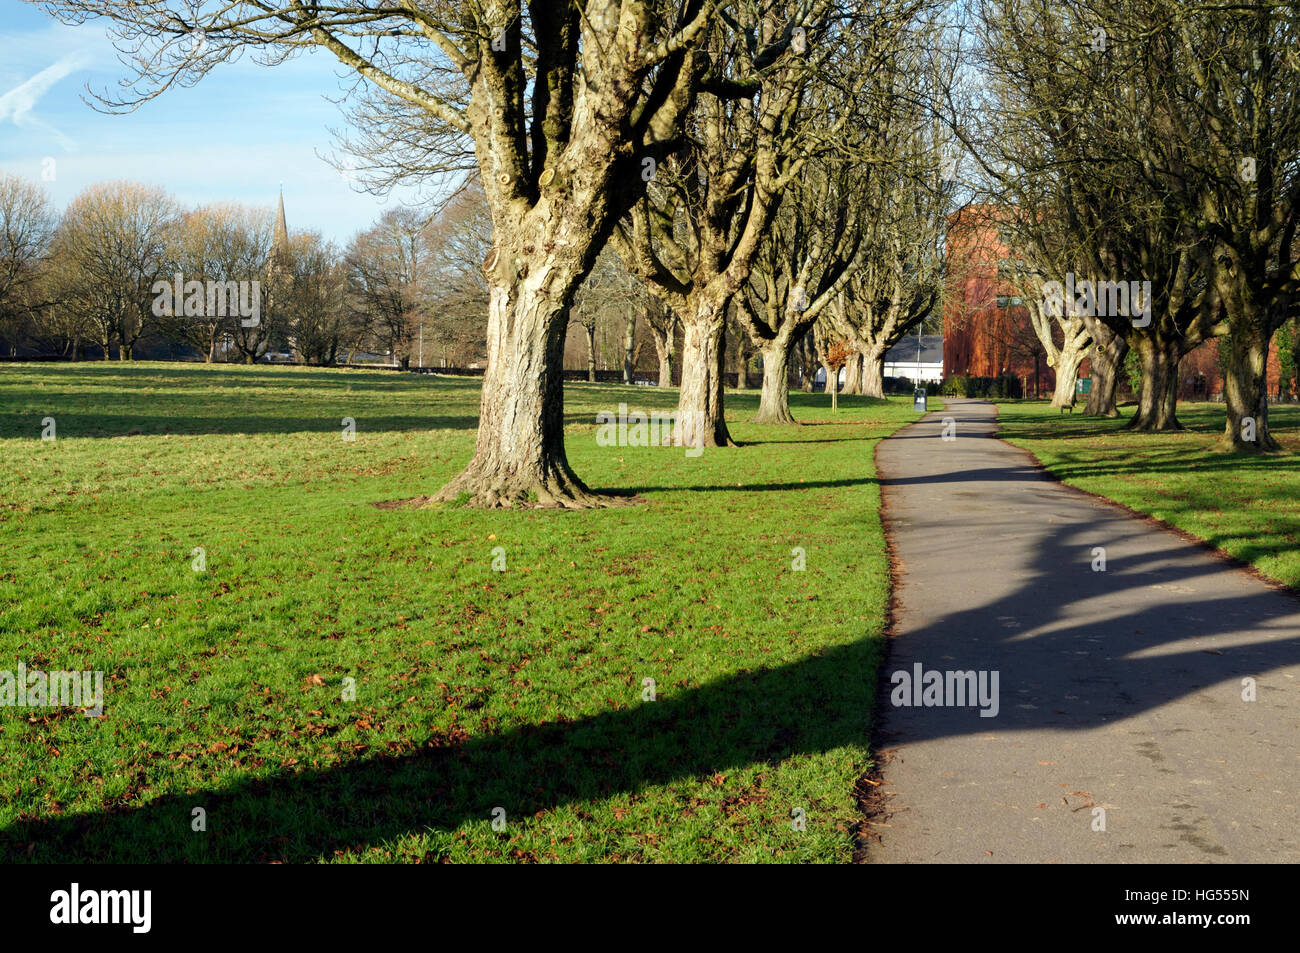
(986, 328)
(1200, 375)
(278, 263)
(923, 363)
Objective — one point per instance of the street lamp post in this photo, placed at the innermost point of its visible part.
(918, 354)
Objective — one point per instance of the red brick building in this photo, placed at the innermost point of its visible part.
(1200, 376)
(986, 328)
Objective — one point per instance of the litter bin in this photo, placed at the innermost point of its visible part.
(918, 400)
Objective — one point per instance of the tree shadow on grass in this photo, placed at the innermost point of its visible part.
(757, 717)
(1082, 650)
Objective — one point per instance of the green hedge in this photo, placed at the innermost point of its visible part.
(993, 387)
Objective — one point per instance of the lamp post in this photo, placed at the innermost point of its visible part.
(918, 353)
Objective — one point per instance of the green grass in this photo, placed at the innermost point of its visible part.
(1247, 505)
(475, 689)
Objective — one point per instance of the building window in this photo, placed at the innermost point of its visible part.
(1009, 301)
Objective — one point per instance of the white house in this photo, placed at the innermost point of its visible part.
(921, 361)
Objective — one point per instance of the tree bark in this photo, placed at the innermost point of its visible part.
(742, 365)
(853, 375)
(700, 418)
(519, 456)
(873, 372)
(666, 367)
(663, 341)
(1067, 372)
(774, 401)
(1245, 389)
(629, 339)
(1158, 402)
(591, 352)
(1106, 358)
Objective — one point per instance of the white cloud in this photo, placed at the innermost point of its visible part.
(20, 102)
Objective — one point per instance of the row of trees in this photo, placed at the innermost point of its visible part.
(673, 131)
(88, 277)
(1151, 140)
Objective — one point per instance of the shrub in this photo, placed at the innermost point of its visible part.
(993, 388)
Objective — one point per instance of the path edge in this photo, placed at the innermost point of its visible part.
(868, 791)
(1153, 521)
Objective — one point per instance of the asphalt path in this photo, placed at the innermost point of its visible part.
(1122, 729)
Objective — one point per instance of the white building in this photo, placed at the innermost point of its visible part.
(916, 362)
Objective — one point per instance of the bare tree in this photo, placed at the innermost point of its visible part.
(220, 243)
(385, 267)
(27, 224)
(695, 235)
(312, 304)
(453, 292)
(1074, 92)
(661, 322)
(561, 103)
(1231, 146)
(900, 277)
(607, 295)
(114, 239)
(808, 254)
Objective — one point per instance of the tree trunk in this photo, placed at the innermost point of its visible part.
(1245, 389)
(774, 401)
(1067, 372)
(807, 363)
(666, 368)
(742, 366)
(629, 339)
(1106, 359)
(591, 352)
(663, 342)
(853, 374)
(1158, 402)
(700, 418)
(519, 456)
(873, 372)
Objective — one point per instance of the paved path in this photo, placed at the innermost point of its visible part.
(1118, 690)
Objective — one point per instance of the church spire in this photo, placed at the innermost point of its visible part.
(280, 239)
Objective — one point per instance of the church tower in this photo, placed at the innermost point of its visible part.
(277, 264)
(279, 274)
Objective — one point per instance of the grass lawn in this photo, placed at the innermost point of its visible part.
(475, 689)
(1244, 504)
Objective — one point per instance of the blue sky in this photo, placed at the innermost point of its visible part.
(235, 136)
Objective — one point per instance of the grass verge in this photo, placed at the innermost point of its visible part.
(518, 694)
(1247, 505)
